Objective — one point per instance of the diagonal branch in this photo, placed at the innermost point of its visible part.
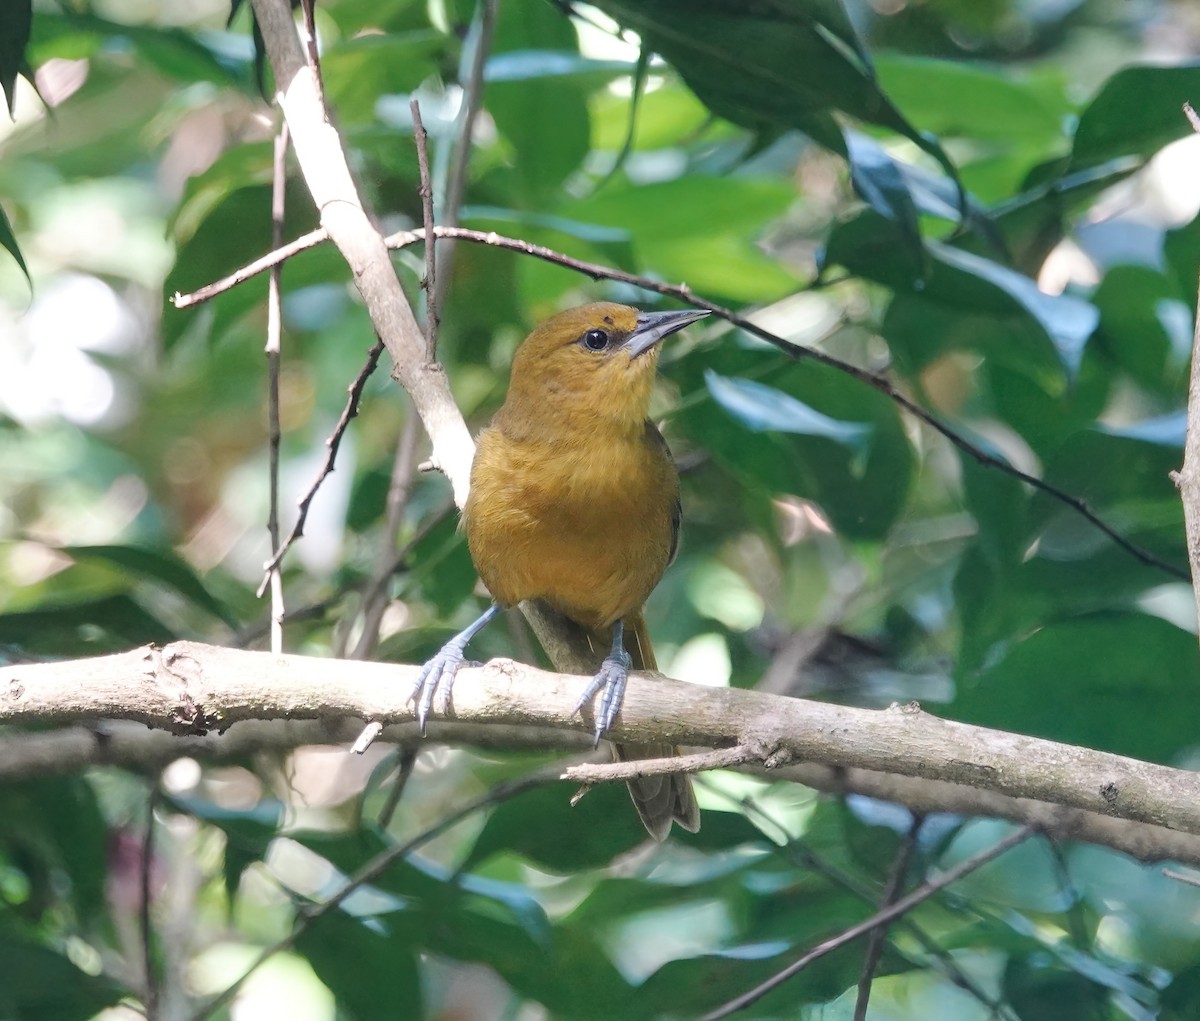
(881, 917)
(878, 935)
(683, 293)
(379, 864)
(331, 449)
(1187, 479)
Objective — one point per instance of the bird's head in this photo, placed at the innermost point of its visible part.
(591, 363)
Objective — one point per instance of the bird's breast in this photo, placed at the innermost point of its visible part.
(586, 525)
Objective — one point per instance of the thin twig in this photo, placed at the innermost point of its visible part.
(150, 981)
(610, 772)
(895, 910)
(456, 183)
(800, 855)
(404, 768)
(317, 609)
(421, 136)
(1187, 479)
(331, 444)
(260, 265)
(375, 599)
(375, 867)
(878, 936)
(274, 355)
(682, 292)
(311, 53)
(1078, 927)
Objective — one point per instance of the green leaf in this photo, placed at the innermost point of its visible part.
(544, 116)
(862, 495)
(1145, 326)
(879, 180)
(16, 20)
(527, 65)
(929, 193)
(973, 100)
(162, 566)
(1106, 668)
(359, 71)
(968, 290)
(220, 245)
(369, 964)
(38, 984)
(84, 627)
(56, 823)
(999, 504)
(1137, 112)
(248, 832)
(699, 229)
(778, 65)
(176, 53)
(566, 838)
(440, 566)
(8, 241)
(1181, 247)
(762, 408)
(1133, 492)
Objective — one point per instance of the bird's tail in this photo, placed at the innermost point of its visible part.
(666, 798)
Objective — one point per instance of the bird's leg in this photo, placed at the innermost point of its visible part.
(440, 670)
(612, 677)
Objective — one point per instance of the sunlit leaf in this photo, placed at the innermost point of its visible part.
(765, 409)
(162, 567)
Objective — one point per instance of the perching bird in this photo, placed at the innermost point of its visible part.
(575, 502)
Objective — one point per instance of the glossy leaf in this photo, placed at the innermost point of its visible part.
(39, 984)
(8, 241)
(1136, 112)
(785, 65)
(369, 964)
(764, 409)
(161, 567)
(966, 289)
(1103, 667)
(16, 20)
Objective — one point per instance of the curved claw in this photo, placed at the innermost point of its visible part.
(437, 672)
(612, 677)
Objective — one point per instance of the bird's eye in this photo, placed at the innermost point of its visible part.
(595, 340)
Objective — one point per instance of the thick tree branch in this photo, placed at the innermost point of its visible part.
(901, 754)
(323, 163)
(1188, 476)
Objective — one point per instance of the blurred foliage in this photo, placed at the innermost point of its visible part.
(994, 203)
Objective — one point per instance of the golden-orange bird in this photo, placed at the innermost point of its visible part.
(575, 501)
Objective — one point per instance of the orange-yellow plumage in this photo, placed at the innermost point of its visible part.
(575, 499)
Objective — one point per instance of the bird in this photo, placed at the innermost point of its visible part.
(574, 501)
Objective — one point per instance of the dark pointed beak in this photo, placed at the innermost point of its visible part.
(653, 326)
